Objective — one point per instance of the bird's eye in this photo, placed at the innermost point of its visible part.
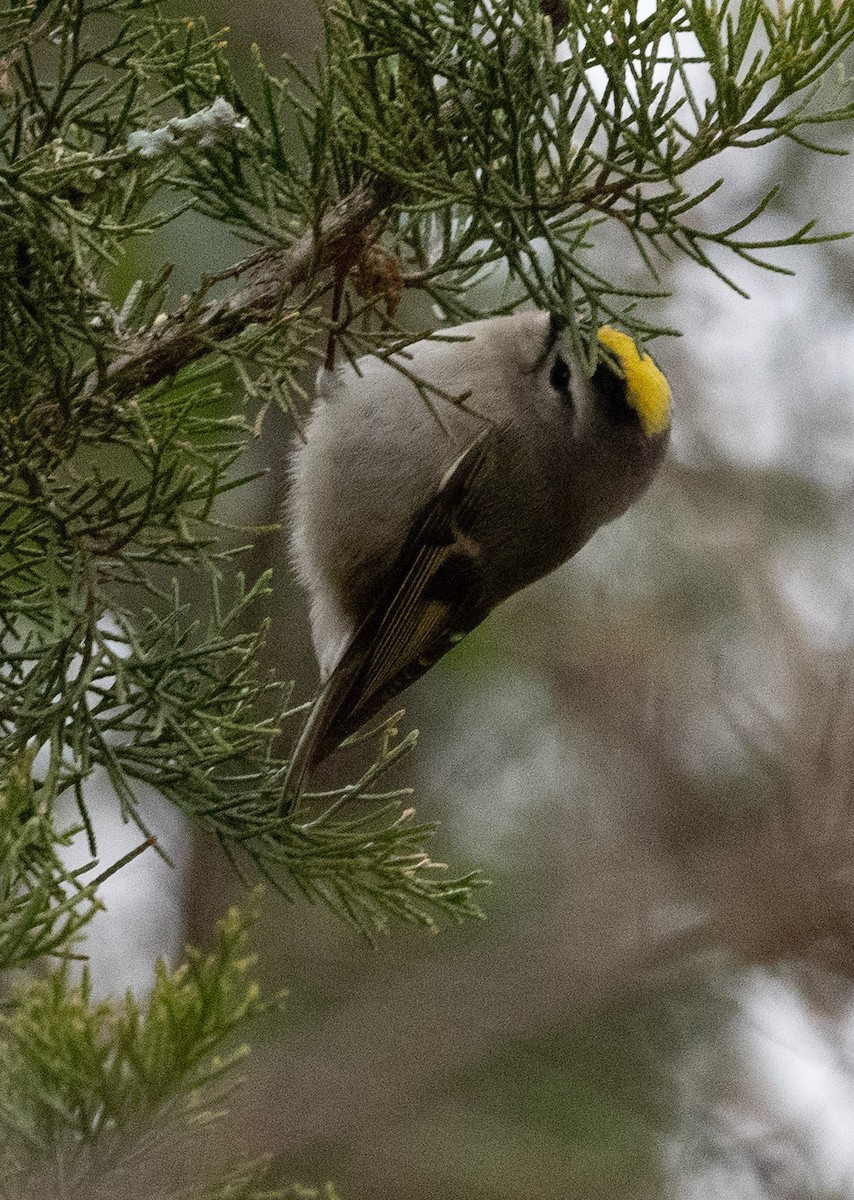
(559, 378)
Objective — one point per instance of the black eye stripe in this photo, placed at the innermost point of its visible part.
(612, 394)
(556, 327)
(560, 375)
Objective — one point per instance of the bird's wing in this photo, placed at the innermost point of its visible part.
(432, 599)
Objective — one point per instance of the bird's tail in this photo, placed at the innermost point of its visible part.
(314, 744)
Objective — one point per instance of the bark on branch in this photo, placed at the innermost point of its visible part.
(199, 327)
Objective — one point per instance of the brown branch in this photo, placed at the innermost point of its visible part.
(557, 11)
(198, 328)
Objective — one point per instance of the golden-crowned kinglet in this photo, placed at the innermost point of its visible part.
(410, 524)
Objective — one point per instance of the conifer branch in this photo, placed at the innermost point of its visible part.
(198, 328)
(435, 142)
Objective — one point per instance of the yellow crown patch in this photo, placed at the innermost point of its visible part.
(648, 392)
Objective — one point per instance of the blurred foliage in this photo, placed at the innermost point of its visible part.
(106, 1097)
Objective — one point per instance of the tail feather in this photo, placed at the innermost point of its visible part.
(312, 746)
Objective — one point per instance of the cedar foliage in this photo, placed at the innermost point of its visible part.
(434, 143)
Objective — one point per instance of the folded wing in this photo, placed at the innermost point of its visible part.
(432, 599)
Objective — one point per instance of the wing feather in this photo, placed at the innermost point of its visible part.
(432, 599)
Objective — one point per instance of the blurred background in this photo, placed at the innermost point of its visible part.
(651, 755)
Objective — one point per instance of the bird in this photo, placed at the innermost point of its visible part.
(433, 483)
